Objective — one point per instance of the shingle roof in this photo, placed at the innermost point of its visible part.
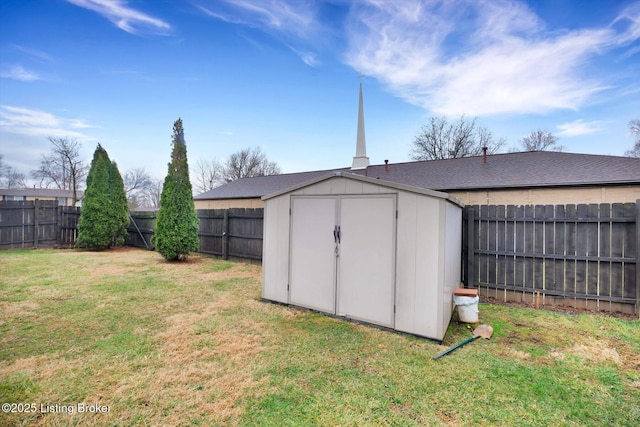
(510, 170)
(258, 186)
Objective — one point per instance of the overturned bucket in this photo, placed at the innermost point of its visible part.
(467, 302)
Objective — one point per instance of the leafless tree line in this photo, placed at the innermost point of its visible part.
(209, 174)
(63, 169)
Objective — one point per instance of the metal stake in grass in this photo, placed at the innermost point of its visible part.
(484, 331)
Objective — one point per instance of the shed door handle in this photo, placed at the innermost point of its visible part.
(336, 234)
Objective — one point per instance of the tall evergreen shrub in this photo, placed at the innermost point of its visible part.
(176, 232)
(104, 213)
(118, 195)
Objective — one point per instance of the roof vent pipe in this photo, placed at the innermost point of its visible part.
(386, 166)
(484, 155)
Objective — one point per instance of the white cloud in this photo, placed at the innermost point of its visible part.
(79, 124)
(25, 121)
(307, 57)
(295, 20)
(579, 128)
(18, 72)
(124, 17)
(476, 57)
(34, 53)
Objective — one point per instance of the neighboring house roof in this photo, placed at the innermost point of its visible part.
(258, 186)
(39, 192)
(510, 170)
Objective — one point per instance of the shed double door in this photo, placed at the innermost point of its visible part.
(342, 257)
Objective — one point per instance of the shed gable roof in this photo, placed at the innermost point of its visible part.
(368, 180)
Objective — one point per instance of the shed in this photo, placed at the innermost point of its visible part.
(365, 249)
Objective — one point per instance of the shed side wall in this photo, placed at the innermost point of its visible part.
(452, 262)
(418, 265)
(275, 258)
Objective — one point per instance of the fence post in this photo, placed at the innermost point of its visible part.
(470, 247)
(225, 235)
(36, 222)
(59, 226)
(638, 258)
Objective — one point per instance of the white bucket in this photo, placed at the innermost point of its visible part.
(467, 308)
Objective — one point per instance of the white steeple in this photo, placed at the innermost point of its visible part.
(360, 161)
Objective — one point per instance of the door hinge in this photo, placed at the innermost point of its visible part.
(394, 309)
(287, 287)
(396, 214)
(289, 211)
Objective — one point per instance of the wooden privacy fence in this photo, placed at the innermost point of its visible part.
(583, 256)
(37, 224)
(141, 228)
(232, 233)
(228, 233)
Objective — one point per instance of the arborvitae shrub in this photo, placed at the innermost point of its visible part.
(176, 232)
(104, 213)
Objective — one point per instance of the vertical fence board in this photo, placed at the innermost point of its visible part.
(558, 250)
(501, 245)
(617, 249)
(630, 252)
(548, 265)
(591, 271)
(483, 243)
(491, 245)
(604, 251)
(510, 239)
(519, 239)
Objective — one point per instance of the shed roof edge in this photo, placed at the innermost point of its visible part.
(369, 180)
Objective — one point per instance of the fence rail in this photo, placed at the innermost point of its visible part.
(578, 255)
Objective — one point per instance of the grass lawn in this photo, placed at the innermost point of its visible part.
(191, 344)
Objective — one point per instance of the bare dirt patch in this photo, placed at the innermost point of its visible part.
(596, 351)
(558, 309)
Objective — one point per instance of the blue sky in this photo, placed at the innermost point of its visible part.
(283, 75)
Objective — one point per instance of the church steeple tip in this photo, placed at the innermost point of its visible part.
(360, 160)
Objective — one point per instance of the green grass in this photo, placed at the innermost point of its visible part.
(192, 344)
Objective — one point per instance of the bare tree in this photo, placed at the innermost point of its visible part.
(136, 185)
(62, 168)
(541, 140)
(207, 175)
(249, 162)
(634, 130)
(441, 139)
(10, 177)
(150, 196)
(14, 179)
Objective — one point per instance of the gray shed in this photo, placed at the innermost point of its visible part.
(365, 249)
